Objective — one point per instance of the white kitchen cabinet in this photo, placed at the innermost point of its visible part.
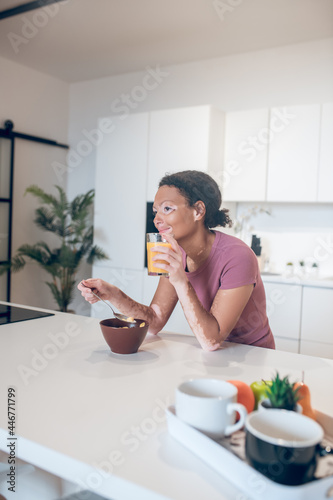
(288, 345)
(293, 153)
(245, 159)
(316, 349)
(284, 305)
(120, 200)
(184, 139)
(317, 316)
(301, 318)
(325, 175)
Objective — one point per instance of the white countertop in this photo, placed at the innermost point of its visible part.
(82, 410)
(296, 280)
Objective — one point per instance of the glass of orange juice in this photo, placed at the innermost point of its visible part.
(154, 240)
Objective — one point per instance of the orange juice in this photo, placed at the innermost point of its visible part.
(152, 269)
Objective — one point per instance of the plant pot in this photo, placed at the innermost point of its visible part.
(265, 404)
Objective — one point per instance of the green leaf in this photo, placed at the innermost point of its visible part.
(96, 253)
(282, 394)
(41, 195)
(70, 223)
(4, 268)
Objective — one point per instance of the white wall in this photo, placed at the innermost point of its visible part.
(38, 105)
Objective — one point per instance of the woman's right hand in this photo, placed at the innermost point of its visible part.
(173, 260)
(98, 286)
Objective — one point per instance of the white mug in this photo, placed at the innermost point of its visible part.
(210, 406)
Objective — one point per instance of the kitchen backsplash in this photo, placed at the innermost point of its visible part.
(291, 233)
(281, 248)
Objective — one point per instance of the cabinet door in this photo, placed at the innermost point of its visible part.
(293, 153)
(325, 177)
(181, 139)
(245, 160)
(317, 315)
(288, 345)
(283, 305)
(120, 204)
(316, 349)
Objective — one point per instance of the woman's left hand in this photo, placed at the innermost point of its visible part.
(172, 259)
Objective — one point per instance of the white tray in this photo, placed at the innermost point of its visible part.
(240, 473)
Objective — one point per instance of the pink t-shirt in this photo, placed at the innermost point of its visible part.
(231, 264)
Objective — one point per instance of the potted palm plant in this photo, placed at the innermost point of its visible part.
(70, 222)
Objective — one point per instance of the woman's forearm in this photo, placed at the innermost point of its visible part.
(130, 307)
(203, 324)
(156, 314)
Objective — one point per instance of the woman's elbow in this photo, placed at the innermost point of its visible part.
(155, 327)
(154, 331)
(213, 344)
(210, 346)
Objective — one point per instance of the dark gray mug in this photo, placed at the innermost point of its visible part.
(283, 445)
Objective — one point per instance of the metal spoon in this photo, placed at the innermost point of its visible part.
(117, 315)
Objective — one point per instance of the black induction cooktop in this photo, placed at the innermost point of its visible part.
(13, 314)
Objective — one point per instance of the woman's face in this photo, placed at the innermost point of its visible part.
(172, 213)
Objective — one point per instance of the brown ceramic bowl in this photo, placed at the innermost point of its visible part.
(123, 340)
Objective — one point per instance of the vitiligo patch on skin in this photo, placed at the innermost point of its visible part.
(196, 326)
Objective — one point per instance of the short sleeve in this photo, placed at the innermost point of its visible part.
(240, 268)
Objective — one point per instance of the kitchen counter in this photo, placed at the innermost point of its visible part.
(97, 418)
(296, 280)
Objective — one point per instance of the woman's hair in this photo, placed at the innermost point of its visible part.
(194, 186)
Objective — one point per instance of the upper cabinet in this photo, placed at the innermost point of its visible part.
(293, 153)
(245, 159)
(120, 184)
(279, 155)
(325, 179)
(184, 139)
